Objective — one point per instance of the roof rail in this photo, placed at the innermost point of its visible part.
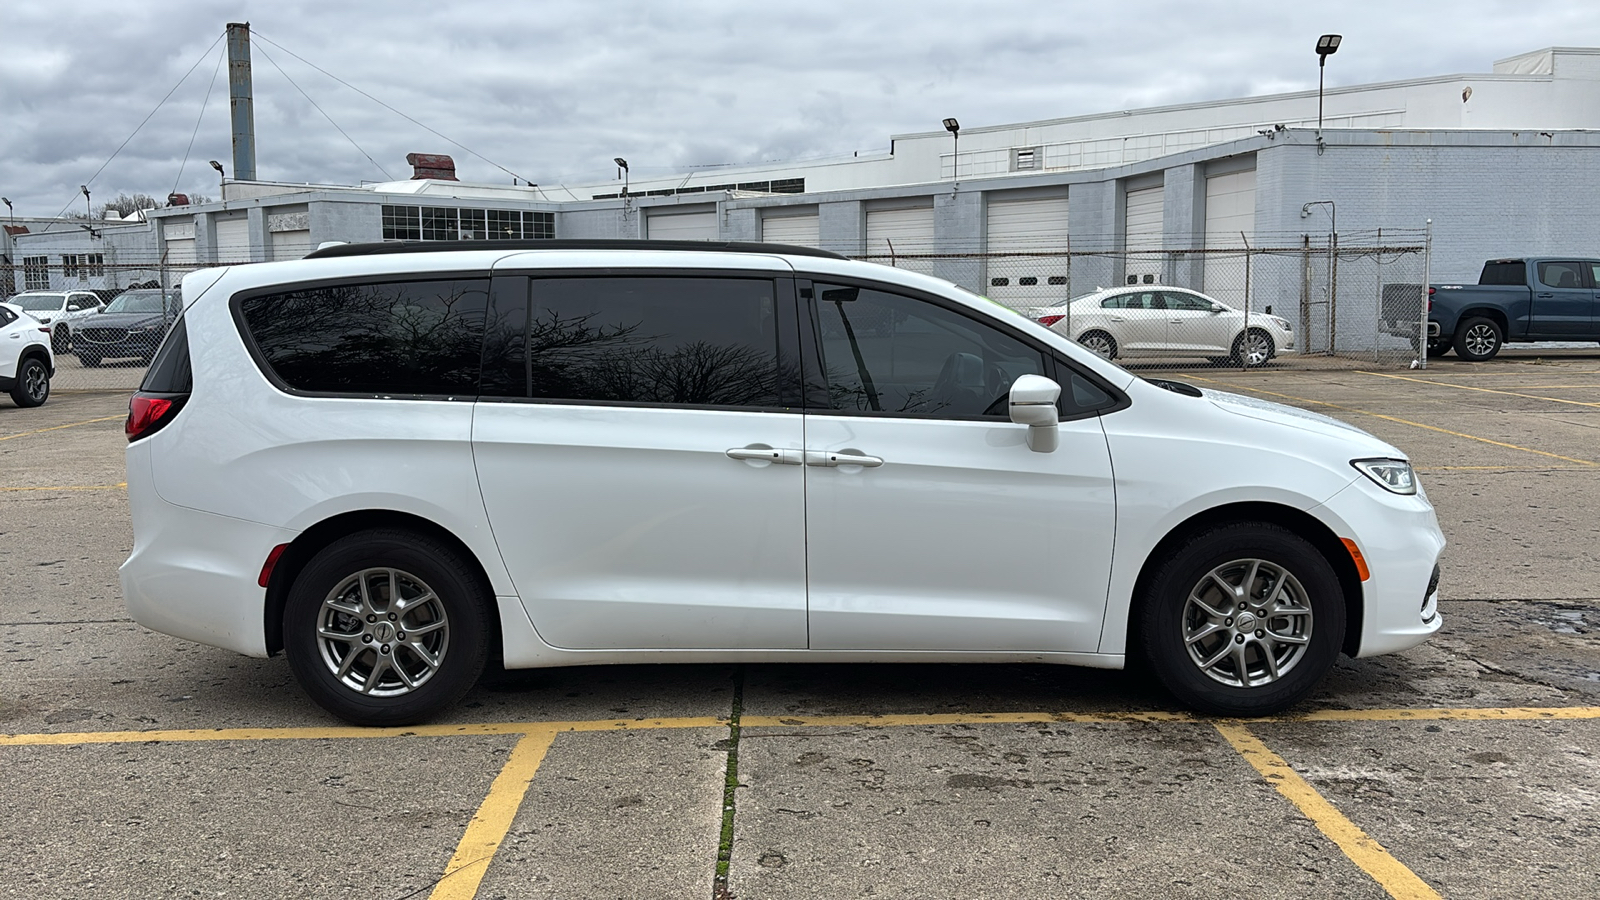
(374, 249)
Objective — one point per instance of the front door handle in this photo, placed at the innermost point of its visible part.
(763, 453)
(833, 459)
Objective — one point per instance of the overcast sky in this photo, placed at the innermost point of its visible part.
(552, 91)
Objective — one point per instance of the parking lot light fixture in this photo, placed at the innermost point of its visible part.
(87, 207)
(1327, 45)
(954, 127)
(622, 172)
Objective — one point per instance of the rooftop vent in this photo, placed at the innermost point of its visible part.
(436, 166)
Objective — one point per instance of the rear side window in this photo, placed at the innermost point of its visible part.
(7, 316)
(695, 341)
(415, 337)
(1510, 272)
(169, 371)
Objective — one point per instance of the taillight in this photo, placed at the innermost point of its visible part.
(1047, 321)
(149, 413)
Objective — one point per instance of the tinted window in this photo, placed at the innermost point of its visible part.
(1504, 273)
(7, 316)
(889, 353)
(693, 341)
(410, 337)
(1177, 300)
(1561, 274)
(170, 372)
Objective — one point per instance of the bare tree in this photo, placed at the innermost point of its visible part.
(127, 204)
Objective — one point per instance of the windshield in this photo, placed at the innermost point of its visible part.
(140, 302)
(39, 302)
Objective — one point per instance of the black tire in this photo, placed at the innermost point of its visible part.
(1263, 348)
(1099, 343)
(1478, 339)
(60, 340)
(32, 387)
(1173, 618)
(88, 360)
(383, 558)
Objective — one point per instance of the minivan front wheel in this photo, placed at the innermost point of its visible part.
(1243, 620)
(386, 627)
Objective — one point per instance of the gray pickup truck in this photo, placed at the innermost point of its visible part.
(1515, 300)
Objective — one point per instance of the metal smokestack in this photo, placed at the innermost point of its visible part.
(242, 102)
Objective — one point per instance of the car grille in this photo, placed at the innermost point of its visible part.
(104, 335)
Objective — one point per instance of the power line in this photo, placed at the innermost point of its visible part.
(203, 104)
(390, 108)
(324, 112)
(146, 119)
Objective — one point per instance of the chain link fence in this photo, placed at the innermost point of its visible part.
(1320, 302)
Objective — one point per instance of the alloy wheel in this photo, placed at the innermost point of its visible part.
(1247, 623)
(382, 632)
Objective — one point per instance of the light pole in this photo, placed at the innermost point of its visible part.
(954, 127)
(87, 209)
(1327, 45)
(10, 209)
(222, 181)
(622, 172)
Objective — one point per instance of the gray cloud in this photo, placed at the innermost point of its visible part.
(553, 90)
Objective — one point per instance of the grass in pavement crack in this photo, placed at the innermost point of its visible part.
(730, 783)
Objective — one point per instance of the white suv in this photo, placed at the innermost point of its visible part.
(63, 311)
(26, 363)
(393, 462)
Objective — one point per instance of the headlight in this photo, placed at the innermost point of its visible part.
(1390, 474)
(1281, 323)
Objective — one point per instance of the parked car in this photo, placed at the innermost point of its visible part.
(63, 311)
(392, 461)
(1153, 320)
(131, 326)
(1515, 300)
(26, 363)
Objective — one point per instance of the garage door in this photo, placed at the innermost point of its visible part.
(1230, 213)
(1144, 232)
(800, 231)
(682, 226)
(233, 240)
(892, 234)
(179, 238)
(1032, 229)
(290, 244)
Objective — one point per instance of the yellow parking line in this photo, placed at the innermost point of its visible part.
(1468, 387)
(1391, 874)
(71, 487)
(1471, 437)
(1025, 718)
(59, 427)
(1441, 714)
(315, 733)
(492, 822)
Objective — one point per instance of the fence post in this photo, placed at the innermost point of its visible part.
(1305, 292)
(1244, 344)
(1422, 324)
(1333, 292)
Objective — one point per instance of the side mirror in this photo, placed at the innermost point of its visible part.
(1269, 309)
(1218, 307)
(1033, 403)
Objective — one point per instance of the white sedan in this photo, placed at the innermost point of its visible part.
(1152, 320)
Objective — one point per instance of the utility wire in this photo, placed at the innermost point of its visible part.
(389, 108)
(324, 112)
(147, 118)
(203, 104)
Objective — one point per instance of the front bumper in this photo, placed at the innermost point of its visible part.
(1400, 539)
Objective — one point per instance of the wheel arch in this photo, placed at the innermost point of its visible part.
(37, 351)
(1493, 314)
(311, 541)
(1298, 521)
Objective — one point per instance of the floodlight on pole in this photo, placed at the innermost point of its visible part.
(622, 172)
(87, 208)
(10, 209)
(954, 127)
(1327, 45)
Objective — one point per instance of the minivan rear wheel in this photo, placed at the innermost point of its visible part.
(386, 627)
(1244, 619)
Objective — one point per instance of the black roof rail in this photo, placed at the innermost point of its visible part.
(379, 248)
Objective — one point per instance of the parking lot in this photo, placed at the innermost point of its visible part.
(137, 765)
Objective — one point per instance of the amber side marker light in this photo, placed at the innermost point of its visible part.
(1357, 558)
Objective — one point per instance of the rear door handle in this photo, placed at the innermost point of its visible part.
(831, 459)
(763, 453)
(1118, 319)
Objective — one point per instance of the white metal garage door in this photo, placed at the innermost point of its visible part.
(290, 244)
(1230, 216)
(233, 240)
(1144, 231)
(179, 240)
(801, 231)
(894, 233)
(1028, 227)
(682, 226)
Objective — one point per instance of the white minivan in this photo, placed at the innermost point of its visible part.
(396, 461)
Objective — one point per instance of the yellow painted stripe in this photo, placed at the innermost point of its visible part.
(201, 735)
(1482, 390)
(1502, 468)
(492, 823)
(59, 427)
(1391, 874)
(70, 487)
(1471, 437)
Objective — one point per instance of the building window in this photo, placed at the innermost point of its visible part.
(504, 225)
(789, 186)
(35, 273)
(539, 225)
(402, 223)
(440, 224)
(69, 265)
(473, 224)
(94, 264)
